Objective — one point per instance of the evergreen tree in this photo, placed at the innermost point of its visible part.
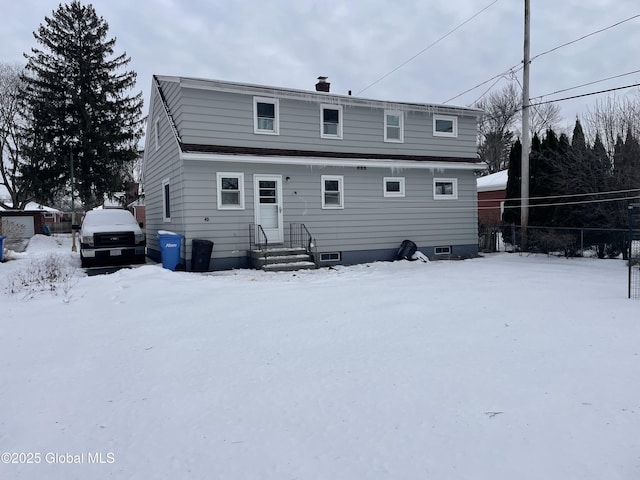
(543, 172)
(574, 176)
(512, 202)
(77, 106)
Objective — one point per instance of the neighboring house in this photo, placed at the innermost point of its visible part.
(138, 209)
(492, 191)
(20, 225)
(234, 163)
(51, 217)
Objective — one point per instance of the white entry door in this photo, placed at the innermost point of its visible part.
(268, 206)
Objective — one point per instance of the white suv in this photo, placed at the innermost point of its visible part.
(111, 236)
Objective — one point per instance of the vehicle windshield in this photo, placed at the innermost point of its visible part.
(109, 217)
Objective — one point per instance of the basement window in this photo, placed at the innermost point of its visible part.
(442, 250)
(266, 115)
(330, 257)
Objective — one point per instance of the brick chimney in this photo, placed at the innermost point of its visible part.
(322, 85)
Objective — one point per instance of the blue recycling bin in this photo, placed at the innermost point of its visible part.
(170, 244)
(2, 237)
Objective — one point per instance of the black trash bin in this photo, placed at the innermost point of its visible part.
(200, 254)
(406, 250)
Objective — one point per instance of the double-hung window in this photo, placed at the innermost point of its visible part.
(266, 115)
(332, 191)
(445, 126)
(230, 191)
(393, 126)
(445, 188)
(331, 121)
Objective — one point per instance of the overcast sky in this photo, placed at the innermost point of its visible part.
(288, 43)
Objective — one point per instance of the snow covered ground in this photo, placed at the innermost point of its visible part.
(503, 367)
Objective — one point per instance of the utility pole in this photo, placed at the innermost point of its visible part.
(526, 143)
(73, 204)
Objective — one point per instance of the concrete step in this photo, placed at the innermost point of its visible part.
(277, 252)
(286, 258)
(289, 267)
(281, 259)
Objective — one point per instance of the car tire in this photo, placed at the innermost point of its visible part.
(141, 259)
(85, 262)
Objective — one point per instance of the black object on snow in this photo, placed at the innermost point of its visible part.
(406, 250)
(200, 254)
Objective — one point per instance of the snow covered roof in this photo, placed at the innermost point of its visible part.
(495, 181)
(281, 92)
(33, 206)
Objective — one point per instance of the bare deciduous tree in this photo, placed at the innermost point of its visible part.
(612, 117)
(10, 137)
(497, 124)
(544, 117)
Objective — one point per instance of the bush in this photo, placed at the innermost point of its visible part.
(49, 274)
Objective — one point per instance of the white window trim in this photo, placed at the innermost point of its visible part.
(340, 180)
(331, 257)
(400, 116)
(454, 120)
(276, 119)
(393, 179)
(166, 200)
(453, 196)
(324, 107)
(156, 133)
(240, 177)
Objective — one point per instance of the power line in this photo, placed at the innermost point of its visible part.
(571, 195)
(579, 202)
(506, 72)
(586, 84)
(585, 36)
(516, 68)
(586, 94)
(487, 90)
(427, 48)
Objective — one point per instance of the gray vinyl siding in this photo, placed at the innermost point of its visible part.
(209, 117)
(161, 164)
(369, 221)
(368, 224)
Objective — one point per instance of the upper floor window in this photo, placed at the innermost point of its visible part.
(332, 191)
(445, 126)
(230, 191)
(393, 126)
(330, 121)
(156, 133)
(445, 188)
(266, 115)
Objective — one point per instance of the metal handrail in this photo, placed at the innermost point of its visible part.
(299, 236)
(257, 230)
